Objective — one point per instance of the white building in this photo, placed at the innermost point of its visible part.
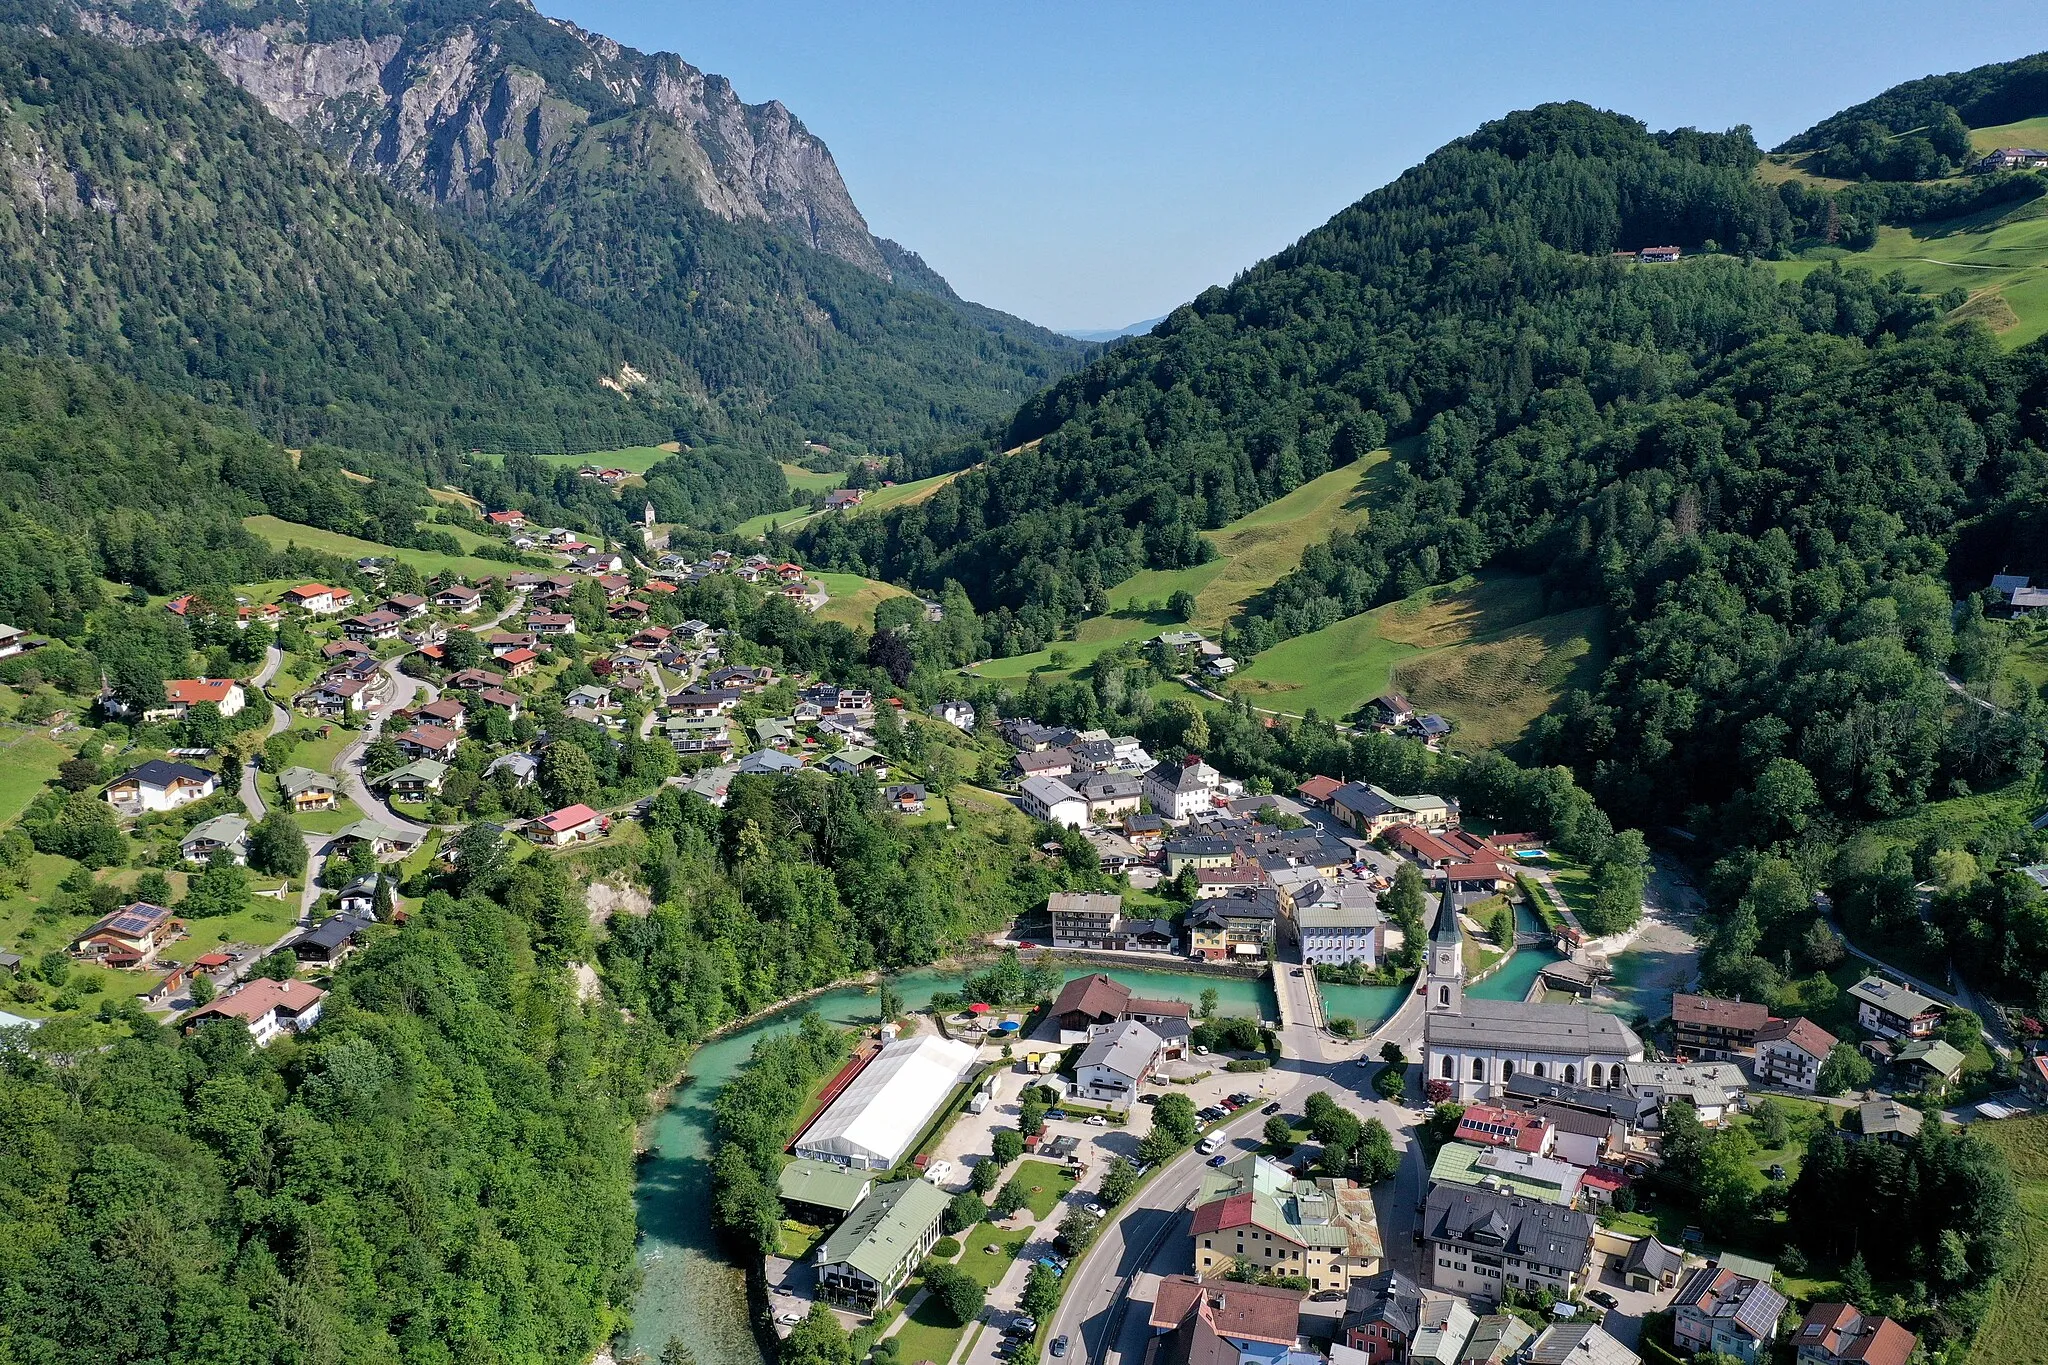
(877, 1118)
(1115, 1063)
(1714, 1089)
(1477, 1046)
(1181, 790)
(1048, 798)
(1339, 924)
(269, 1008)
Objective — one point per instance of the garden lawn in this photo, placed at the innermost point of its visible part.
(987, 1267)
(929, 1334)
(1043, 1184)
(794, 1240)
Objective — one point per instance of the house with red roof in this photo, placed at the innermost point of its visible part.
(510, 520)
(182, 694)
(317, 599)
(1489, 1125)
(570, 825)
(1318, 790)
(1790, 1052)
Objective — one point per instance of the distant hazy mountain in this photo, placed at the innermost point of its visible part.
(1113, 333)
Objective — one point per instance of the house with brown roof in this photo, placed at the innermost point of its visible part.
(1708, 1026)
(269, 1008)
(1317, 791)
(1790, 1052)
(429, 741)
(1840, 1334)
(130, 937)
(1090, 1002)
(1222, 1322)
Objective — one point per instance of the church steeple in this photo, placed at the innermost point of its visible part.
(1446, 961)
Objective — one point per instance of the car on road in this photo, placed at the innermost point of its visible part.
(1148, 1099)
(1603, 1298)
(1219, 1158)
(1097, 1121)
(1093, 1209)
(1363, 1061)
(1296, 972)
(1059, 1346)
(788, 1319)
(1272, 1108)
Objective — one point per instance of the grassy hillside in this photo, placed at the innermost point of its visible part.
(639, 459)
(2017, 1323)
(1251, 553)
(2028, 132)
(2000, 256)
(280, 533)
(854, 599)
(1479, 651)
(878, 500)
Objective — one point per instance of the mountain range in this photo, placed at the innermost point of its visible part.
(710, 274)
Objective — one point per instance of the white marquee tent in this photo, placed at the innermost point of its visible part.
(876, 1118)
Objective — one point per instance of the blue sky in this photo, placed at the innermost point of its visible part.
(1091, 165)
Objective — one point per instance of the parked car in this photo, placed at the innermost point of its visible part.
(1055, 1113)
(788, 1319)
(1297, 971)
(1093, 1209)
(1148, 1099)
(1097, 1121)
(1603, 1298)
(1201, 1051)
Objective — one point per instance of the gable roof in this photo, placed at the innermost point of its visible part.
(1801, 1033)
(884, 1228)
(1892, 998)
(1096, 995)
(1707, 1011)
(1747, 1302)
(193, 691)
(252, 1000)
(1128, 1049)
(567, 818)
(1248, 1312)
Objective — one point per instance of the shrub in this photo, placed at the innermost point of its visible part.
(946, 1248)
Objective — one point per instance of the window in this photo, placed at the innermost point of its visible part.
(1507, 1071)
(1540, 1071)
(1478, 1068)
(1596, 1073)
(1443, 995)
(1571, 1075)
(1448, 1072)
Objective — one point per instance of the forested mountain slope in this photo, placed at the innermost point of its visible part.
(1762, 481)
(155, 219)
(643, 188)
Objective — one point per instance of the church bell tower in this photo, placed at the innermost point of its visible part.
(1446, 961)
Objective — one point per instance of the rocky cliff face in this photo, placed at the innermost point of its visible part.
(474, 113)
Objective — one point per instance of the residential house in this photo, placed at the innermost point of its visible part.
(345, 650)
(1578, 1343)
(1181, 790)
(509, 702)
(1087, 1003)
(869, 1256)
(544, 624)
(1254, 1211)
(358, 898)
(1043, 763)
(1890, 1010)
(570, 825)
(1478, 1241)
(1496, 1339)
(12, 641)
(598, 563)
(958, 714)
(1219, 1322)
(522, 770)
(1841, 1334)
(511, 519)
(331, 939)
(317, 599)
(447, 712)
(1048, 798)
(429, 741)
(227, 834)
(520, 663)
(269, 1009)
(1390, 709)
(592, 695)
(2018, 595)
(1111, 796)
(182, 694)
(1116, 1063)
(1203, 853)
(769, 762)
(1148, 832)
(1886, 1120)
(503, 642)
(1790, 1052)
(1232, 927)
(384, 840)
(1928, 1063)
(1707, 1026)
(1371, 811)
(1719, 1309)
(475, 680)
(844, 499)
(1714, 1089)
(160, 785)
(1658, 253)
(458, 598)
(130, 937)
(1317, 791)
(336, 696)
(905, 798)
(855, 758)
(1441, 1330)
(373, 625)
(1082, 919)
(407, 606)
(416, 780)
(1381, 1315)
(306, 791)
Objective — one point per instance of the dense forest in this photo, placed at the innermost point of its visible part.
(1982, 97)
(792, 343)
(157, 220)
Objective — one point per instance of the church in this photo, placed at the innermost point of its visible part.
(1477, 1045)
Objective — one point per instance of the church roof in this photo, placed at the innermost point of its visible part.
(1446, 929)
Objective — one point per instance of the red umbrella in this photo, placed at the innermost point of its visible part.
(977, 1008)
